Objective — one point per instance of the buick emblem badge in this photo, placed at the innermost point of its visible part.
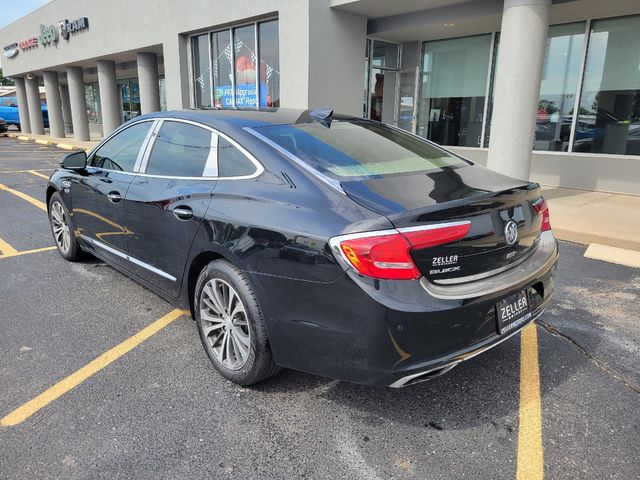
(510, 232)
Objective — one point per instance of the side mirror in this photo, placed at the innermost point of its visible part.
(74, 161)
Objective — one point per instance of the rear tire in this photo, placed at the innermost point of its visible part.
(62, 230)
(231, 325)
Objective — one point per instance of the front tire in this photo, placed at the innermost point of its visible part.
(231, 325)
(61, 229)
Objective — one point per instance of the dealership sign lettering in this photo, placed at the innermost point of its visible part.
(49, 35)
(66, 27)
(11, 51)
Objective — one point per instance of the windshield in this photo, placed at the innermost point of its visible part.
(359, 149)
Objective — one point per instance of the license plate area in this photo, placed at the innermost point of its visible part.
(512, 312)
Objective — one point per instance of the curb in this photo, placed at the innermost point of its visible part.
(40, 141)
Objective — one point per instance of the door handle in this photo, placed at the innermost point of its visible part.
(183, 213)
(114, 197)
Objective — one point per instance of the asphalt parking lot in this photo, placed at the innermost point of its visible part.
(563, 400)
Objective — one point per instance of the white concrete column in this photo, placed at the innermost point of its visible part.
(54, 104)
(148, 80)
(523, 40)
(109, 99)
(35, 105)
(78, 104)
(66, 108)
(23, 106)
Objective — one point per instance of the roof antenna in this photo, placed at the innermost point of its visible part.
(324, 116)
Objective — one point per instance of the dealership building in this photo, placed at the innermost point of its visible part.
(546, 88)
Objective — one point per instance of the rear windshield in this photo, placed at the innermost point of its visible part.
(358, 149)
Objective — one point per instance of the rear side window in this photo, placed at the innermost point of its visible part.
(120, 152)
(232, 162)
(7, 102)
(352, 149)
(180, 150)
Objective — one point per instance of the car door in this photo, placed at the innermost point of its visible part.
(98, 192)
(168, 199)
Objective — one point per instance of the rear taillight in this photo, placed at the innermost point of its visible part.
(540, 207)
(387, 254)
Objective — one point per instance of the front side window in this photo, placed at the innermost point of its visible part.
(453, 90)
(179, 150)
(609, 111)
(120, 152)
(359, 149)
(232, 162)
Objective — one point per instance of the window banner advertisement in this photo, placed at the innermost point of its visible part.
(245, 96)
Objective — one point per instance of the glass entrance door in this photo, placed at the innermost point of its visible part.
(129, 91)
(382, 73)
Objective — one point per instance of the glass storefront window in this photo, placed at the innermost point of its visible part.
(384, 55)
(269, 64)
(92, 100)
(609, 112)
(558, 87)
(244, 40)
(222, 72)
(162, 88)
(234, 78)
(201, 71)
(453, 89)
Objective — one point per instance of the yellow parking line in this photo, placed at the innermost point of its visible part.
(530, 456)
(6, 249)
(28, 171)
(20, 414)
(17, 253)
(33, 172)
(24, 196)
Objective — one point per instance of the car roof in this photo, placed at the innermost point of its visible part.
(243, 118)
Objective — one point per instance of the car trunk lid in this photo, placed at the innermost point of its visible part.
(487, 200)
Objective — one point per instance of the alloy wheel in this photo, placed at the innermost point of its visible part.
(224, 324)
(60, 225)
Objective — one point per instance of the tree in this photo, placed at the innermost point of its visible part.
(4, 81)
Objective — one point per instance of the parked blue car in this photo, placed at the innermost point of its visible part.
(9, 111)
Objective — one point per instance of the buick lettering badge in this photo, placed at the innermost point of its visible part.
(510, 232)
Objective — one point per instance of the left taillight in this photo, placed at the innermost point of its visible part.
(540, 207)
(386, 254)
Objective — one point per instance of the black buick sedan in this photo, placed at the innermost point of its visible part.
(324, 243)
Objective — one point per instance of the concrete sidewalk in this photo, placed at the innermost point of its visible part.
(578, 216)
(595, 217)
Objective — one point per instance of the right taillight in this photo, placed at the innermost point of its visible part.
(540, 207)
(387, 254)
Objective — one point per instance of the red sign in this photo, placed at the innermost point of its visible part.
(28, 43)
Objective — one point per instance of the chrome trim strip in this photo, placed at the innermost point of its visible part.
(539, 261)
(259, 168)
(120, 254)
(142, 153)
(404, 380)
(433, 226)
(329, 181)
(490, 273)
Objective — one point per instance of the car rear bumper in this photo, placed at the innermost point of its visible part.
(390, 333)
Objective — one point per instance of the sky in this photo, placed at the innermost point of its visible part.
(11, 10)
